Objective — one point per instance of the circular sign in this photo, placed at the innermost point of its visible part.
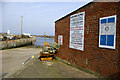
(106, 28)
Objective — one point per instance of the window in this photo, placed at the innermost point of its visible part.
(107, 32)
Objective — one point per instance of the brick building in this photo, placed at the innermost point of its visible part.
(94, 42)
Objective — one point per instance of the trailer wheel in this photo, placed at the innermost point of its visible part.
(40, 58)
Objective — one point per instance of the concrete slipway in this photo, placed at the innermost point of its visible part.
(13, 67)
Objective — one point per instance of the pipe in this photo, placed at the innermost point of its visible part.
(27, 60)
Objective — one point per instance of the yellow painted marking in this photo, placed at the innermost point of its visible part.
(32, 56)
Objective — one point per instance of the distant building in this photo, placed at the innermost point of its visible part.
(27, 34)
(8, 32)
(90, 38)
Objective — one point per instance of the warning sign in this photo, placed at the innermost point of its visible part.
(77, 31)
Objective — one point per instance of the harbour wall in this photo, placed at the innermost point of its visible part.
(17, 43)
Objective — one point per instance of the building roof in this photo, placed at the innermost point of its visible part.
(73, 12)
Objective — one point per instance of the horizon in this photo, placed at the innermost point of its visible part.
(38, 17)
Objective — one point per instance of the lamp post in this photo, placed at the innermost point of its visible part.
(44, 37)
(21, 25)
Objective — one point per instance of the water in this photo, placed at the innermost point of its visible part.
(40, 41)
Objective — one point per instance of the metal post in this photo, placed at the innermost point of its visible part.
(44, 37)
(21, 25)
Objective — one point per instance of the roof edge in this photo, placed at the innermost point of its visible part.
(74, 11)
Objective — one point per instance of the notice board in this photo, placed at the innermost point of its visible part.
(107, 32)
(77, 31)
(60, 39)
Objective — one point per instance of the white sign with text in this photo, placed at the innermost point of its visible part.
(60, 39)
(77, 31)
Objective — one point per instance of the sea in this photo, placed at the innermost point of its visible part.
(40, 41)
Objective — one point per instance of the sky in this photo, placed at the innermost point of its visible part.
(38, 17)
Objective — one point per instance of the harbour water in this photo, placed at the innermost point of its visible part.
(40, 41)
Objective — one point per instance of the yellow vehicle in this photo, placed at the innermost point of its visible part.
(48, 52)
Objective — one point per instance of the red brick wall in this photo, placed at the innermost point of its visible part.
(100, 60)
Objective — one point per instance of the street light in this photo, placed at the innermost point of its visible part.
(21, 25)
(44, 36)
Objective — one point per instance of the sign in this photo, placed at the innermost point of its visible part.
(77, 31)
(60, 39)
(107, 32)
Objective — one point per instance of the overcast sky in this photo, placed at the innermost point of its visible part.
(38, 17)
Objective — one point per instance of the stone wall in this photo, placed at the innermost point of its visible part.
(17, 43)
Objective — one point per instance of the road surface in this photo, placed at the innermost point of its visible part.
(12, 59)
(12, 66)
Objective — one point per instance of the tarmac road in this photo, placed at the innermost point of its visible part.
(49, 69)
(12, 59)
(12, 66)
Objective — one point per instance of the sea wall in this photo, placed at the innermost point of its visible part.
(17, 43)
